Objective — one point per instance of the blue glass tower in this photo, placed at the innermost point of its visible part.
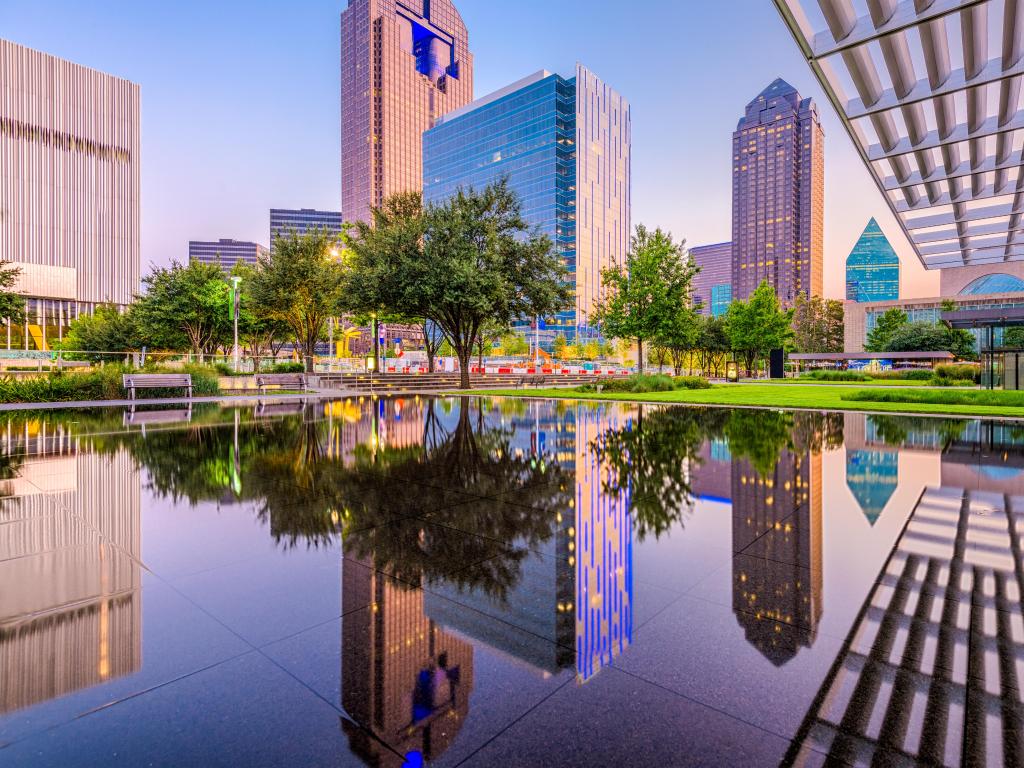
(530, 133)
(872, 268)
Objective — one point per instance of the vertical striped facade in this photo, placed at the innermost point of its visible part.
(69, 185)
(603, 186)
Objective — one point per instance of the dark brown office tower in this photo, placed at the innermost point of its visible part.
(778, 195)
(403, 64)
(776, 566)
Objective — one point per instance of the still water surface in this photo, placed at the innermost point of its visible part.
(499, 582)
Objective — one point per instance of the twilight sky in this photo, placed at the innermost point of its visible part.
(240, 107)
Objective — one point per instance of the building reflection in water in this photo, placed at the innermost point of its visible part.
(872, 473)
(603, 563)
(407, 671)
(70, 542)
(933, 668)
(777, 552)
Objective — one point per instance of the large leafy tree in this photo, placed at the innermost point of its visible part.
(885, 326)
(260, 334)
(106, 330)
(463, 264)
(757, 326)
(643, 296)
(817, 324)
(922, 336)
(184, 306)
(300, 283)
(12, 306)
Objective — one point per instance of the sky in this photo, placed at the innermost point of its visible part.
(241, 112)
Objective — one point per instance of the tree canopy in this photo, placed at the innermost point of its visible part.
(758, 325)
(817, 324)
(12, 306)
(184, 306)
(650, 294)
(300, 283)
(469, 261)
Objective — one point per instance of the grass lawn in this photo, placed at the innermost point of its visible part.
(827, 397)
(872, 383)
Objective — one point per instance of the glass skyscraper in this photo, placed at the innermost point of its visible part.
(712, 287)
(872, 268)
(403, 63)
(564, 145)
(778, 195)
(225, 252)
(303, 220)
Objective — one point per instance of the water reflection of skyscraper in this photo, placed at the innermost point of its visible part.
(407, 674)
(403, 676)
(73, 517)
(777, 553)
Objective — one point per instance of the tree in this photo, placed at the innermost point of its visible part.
(514, 344)
(712, 344)
(758, 325)
(105, 330)
(559, 346)
(257, 332)
(470, 260)
(678, 334)
(922, 336)
(300, 284)
(885, 326)
(1013, 338)
(817, 324)
(647, 291)
(184, 306)
(12, 306)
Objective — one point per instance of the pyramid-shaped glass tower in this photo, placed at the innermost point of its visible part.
(872, 268)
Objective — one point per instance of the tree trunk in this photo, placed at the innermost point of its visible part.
(307, 355)
(430, 359)
(463, 353)
(639, 355)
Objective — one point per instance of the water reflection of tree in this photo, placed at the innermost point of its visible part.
(653, 458)
(897, 430)
(761, 436)
(473, 542)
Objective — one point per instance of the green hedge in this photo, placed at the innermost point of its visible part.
(103, 383)
(938, 396)
(961, 371)
(909, 374)
(821, 375)
(646, 383)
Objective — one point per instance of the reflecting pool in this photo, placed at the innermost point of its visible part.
(502, 582)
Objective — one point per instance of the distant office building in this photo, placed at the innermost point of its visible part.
(564, 145)
(283, 220)
(712, 287)
(778, 195)
(226, 253)
(402, 65)
(69, 190)
(872, 268)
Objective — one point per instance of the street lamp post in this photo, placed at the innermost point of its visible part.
(235, 280)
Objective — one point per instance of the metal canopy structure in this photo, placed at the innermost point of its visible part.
(930, 93)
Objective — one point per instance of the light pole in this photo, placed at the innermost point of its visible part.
(235, 280)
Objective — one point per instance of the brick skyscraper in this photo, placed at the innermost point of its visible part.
(778, 195)
(402, 65)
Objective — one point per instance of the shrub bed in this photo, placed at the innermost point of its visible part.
(103, 383)
(938, 396)
(821, 375)
(646, 383)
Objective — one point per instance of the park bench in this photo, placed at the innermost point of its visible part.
(531, 379)
(133, 381)
(289, 408)
(282, 380)
(143, 418)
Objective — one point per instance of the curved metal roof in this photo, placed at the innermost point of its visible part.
(930, 93)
